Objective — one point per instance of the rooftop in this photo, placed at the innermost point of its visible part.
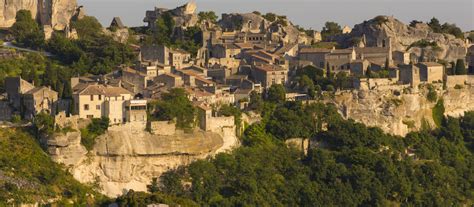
(103, 90)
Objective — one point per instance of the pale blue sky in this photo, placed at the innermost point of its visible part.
(308, 13)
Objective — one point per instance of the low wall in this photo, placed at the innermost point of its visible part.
(163, 128)
(453, 80)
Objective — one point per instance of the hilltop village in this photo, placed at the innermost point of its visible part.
(120, 106)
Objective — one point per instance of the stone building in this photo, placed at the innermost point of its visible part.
(409, 74)
(431, 72)
(28, 99)
(170, 80)
(97, 101)
(173, 57)
(136, 111)
(267, 75)
(39, 99)
(15, 88)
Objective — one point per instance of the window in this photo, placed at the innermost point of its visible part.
(100, 97)
(92, 97)
(123, 98)
(90, 116)
(86, 107)
(97, 107)
(115, 97)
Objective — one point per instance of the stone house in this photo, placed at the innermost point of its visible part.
(117, 23)
(431, 72)
(39, 99)
(267, 75)
(228, 50)
(409, 74)
(170, 80)
(400, 57)
(15, 88)
(137, 79)
(317, 56)
(97, 101)
(28, 99)
(359, 67)
(174, 57)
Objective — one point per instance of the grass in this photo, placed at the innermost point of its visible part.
(31, 176)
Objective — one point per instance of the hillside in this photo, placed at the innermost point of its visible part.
(28, 175)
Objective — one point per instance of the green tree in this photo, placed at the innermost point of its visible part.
(330, 29)
(175, 105)
(153, 187)
(435, 25)
(276, 93)
(27, 31)
(44, 124)
(460, 67)
(208, 16)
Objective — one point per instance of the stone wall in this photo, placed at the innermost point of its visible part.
(163, 128)
(217, 123)
(453, 80)
(5, 111)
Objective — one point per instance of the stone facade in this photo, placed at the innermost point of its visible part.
(97, 101)
(431, 72)
(267, 75)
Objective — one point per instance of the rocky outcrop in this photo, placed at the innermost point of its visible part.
(54, 13)
(384, 30)
(255, 23)
(398, 112)
(128, 157)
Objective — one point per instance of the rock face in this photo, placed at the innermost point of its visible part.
(382, 29)
(401, 114)
(127, 157)
(55, 13)
(254, 23)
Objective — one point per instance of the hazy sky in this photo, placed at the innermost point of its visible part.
(308, 13)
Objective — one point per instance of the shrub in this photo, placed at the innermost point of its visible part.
(432, 95)
(96, 128)
(457, 86)
(438, 112)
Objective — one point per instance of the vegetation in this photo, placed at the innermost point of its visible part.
(207, 16)
(321, 81)
(446, 28)
(380, 20)
(460, 67)
(423, 44)
(28, 175)
(354, 165)
(96, 128)
(26, 30)
(164, 33)
(330, 29)
(432, 96)
(175, 105)
(438, 112)
(229, 110)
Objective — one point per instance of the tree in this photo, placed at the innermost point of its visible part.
(175, 105)
(460, 67)
(153, 187)
(27, 31)
(276, 93)
(44, 124)
(207, 16)
(330, 29)
(435, 25)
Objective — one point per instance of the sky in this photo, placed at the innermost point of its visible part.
(307, 13)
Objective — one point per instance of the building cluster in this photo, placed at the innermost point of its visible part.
(226, 70)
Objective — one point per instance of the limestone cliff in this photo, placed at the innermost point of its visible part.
(385, 28)
(54, 13)
(127, 157)
(398, 112)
